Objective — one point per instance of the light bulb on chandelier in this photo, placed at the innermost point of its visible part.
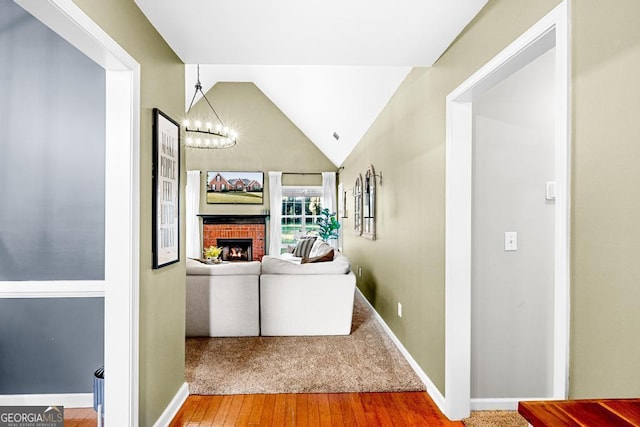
(207, 136)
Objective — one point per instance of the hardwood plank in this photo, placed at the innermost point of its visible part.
(430, 411)
(245, 411)
(234, 410)
(629, 409)
(359, 415)
(199, 409)
(382, 410)
(588, 412)
(212, 407)
(223, 411)
(593, 414)
(256, 410)
(324, 410)
(313, 410)
(80, 417)
(279, 408)
(370, 412)
(541, 413)
(335, 411)
(267, 411)
(348, 416)
(302, 415)
(290, 414)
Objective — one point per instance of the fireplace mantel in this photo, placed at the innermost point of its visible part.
(233, 218)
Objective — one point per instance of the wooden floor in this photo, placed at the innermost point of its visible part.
(578, 413)
(83, 417)
(339, 409)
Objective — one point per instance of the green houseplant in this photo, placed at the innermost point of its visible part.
(328, 225)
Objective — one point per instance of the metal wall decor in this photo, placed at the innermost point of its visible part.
(369, 204)
(357, 206)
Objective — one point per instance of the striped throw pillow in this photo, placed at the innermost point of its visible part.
(304, 247)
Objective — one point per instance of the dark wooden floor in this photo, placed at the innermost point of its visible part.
(578, 413)
(339, 409)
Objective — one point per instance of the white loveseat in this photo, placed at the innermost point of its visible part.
(306, 299)
(222, 300)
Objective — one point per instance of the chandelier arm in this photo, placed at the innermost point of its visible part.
(192, 99)
(211, 106)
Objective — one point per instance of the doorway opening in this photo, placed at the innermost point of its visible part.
(548, 35)
(120, 286)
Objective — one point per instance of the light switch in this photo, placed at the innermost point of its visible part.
(510, 241)
(550, 190)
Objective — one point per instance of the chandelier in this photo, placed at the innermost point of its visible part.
(201, 134)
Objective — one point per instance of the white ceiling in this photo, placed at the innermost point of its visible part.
(330, 66)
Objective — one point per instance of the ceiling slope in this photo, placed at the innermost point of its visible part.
(330, 66)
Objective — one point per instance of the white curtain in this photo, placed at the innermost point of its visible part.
(194, 242)
(329, 197)
(329, 191)
(275, 215)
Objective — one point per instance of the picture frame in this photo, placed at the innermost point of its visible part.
(235, 188)
(166, 190)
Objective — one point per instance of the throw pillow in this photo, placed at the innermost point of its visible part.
(320, 247)
(304, 247)
(322, 258)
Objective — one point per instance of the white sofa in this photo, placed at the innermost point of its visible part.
(222, 300)
(306, 299)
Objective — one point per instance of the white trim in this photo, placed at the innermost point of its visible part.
(68, 400)
(122, 197)
(551, 30)
(51, 289)
(502, 404)
(432, 390)
(562, 300)
(174, 406)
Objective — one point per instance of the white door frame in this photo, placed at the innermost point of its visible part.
(122, 199)
(552, 30)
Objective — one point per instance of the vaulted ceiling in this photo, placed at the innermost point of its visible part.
(330, 66)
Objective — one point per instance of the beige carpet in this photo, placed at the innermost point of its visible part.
(366, 360)
(495, 419)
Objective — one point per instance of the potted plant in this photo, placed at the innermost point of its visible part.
(328, 225)
(212, 254)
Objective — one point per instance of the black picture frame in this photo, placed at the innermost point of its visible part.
(166, 190)
(235, 188)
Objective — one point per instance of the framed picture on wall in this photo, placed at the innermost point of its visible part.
(244, 188)
(166, 190)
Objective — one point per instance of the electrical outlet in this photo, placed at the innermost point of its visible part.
(399, 310)
(359, 271)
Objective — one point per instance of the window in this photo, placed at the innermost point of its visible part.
(301, 207)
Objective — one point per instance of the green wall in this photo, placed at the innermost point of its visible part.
(407, 144)
(267, 141)
(605, 279)
(162, 306)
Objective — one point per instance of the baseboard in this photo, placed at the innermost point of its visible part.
(68, 400)
(432, 390)
(501, 404)
(174, 406)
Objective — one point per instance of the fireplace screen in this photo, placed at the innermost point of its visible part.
(235, 249)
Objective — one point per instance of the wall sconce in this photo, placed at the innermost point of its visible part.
(345, 213)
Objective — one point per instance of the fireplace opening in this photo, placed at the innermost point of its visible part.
(235, 249)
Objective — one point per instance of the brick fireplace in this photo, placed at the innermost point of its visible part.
(217, 230)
